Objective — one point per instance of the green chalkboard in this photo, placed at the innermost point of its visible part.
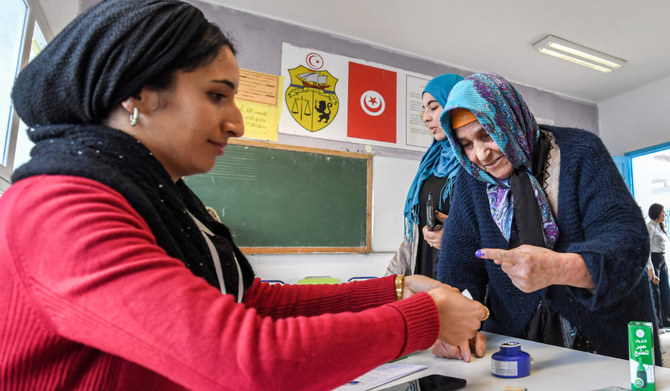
(285, 199)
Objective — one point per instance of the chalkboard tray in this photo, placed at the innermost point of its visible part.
(279, 198)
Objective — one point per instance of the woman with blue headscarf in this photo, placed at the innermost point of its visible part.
(435, 177)
(543, 228)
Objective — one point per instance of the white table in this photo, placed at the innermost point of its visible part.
(552, 368)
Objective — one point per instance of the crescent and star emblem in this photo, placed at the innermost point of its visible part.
(372, 102)
(314, 61)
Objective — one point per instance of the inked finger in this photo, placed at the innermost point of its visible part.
(497, 255)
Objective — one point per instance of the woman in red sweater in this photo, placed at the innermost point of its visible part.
(115, 277)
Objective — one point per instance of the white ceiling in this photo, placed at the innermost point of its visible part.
(497, 35)
(486, 35)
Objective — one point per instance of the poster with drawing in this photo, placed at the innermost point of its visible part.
(417, 133)
(346, 99)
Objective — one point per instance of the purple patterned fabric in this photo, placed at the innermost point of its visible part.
(502, 112)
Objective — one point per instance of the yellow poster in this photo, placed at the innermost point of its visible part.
(260, 100)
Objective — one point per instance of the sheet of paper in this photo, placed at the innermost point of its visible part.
(381, 375)
(260, 101)
(467, 294)
(261, 122)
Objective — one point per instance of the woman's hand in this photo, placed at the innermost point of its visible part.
(418, 283)
(464, 350)
(460, 317)
(532, 268)
(434, 237)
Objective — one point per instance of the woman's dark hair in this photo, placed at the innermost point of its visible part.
(655, 211)
(199, 53)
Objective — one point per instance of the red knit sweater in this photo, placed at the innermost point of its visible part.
(88, 301)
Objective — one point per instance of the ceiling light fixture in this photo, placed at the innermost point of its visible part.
(578, 54)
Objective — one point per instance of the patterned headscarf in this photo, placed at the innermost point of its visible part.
(502, 112)
(438, 160)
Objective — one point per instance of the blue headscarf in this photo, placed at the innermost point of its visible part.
(438, 160)
(502, 112)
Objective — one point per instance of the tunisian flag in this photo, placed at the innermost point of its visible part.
(372, 103)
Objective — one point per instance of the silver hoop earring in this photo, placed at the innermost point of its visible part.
(134, 116)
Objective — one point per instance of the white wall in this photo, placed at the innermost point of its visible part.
(391, 178)
(636, 119)
(57, 14)
(259, 42)
(289, 268)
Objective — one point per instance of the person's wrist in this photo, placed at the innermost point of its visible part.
(399, 286)
(575, 272)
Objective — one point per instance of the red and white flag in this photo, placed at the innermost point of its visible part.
(371, 103)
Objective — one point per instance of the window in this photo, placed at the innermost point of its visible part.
(651, 177)
(21, 38)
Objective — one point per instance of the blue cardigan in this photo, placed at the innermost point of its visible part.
(597, 218)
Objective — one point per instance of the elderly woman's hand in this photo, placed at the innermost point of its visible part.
(532, 268)
(463, 351)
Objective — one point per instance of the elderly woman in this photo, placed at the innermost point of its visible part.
(543, 228)
(115, 277)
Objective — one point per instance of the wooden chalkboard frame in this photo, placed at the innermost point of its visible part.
(300, 250)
